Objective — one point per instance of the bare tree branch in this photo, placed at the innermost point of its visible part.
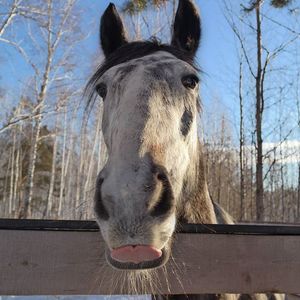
(12, 13)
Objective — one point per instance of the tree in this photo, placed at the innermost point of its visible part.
(241, 143)
(260, 69)
(54, 36)
(150, 17)
(280, 3)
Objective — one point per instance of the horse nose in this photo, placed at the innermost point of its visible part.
(159, 200)
(163, 203)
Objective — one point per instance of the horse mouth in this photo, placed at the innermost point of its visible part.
(154, 263)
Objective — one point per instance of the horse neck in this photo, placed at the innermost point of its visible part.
(196, 204)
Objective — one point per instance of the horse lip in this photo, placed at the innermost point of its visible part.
(150, 264)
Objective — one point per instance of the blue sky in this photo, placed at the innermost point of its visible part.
(217, 57)
(212, 46)
(14, 72)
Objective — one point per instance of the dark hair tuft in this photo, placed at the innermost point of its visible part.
(129, 52)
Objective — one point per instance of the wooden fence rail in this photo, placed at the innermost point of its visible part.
(66, 258)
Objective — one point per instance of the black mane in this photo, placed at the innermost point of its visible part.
(132, 51)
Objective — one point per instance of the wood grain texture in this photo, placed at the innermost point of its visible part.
(34, 262)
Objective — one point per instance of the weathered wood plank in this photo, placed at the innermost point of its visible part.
(42, 262)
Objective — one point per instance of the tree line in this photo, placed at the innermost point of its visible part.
(52, 148)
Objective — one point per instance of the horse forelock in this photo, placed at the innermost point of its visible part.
(129, 52)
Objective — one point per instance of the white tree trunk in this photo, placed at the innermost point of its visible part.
(12, 175)
(18, 175)
(49, 202)
(80, 171)
(62, 175)
(87, 186)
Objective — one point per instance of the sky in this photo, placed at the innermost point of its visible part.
(217, 57)
(213, 25)
(213, 48)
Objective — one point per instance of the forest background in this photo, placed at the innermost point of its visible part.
(52, 150)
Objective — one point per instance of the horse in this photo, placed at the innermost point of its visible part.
(154, 177)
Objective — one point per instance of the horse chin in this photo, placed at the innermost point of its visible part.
(145, 265)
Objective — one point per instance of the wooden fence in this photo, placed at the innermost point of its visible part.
(67, 258)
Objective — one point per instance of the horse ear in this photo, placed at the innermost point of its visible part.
(187, 27)
(112, 33)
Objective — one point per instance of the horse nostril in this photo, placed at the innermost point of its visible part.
(99, 207)
(165, 201)
(161, 176)
(159, 172)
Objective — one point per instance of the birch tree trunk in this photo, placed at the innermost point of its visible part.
(80, 171)
(91, 164)
(242, 144)
(26, 209)
(55, 31)
(62, 175)
(49, 202)
(70, 169)
(5, 203)
(221, 161)
(258, 117)
(12, 174)
(18, 173)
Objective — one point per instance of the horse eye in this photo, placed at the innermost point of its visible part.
(190, 81)
(101, 90)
